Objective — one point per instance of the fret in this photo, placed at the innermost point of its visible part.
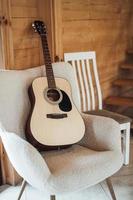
(50, 73)
(48, 67)
(48, 63)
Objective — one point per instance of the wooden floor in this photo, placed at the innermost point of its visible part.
(122, 183)
(123, 180)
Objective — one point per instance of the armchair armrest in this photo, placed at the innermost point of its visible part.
(101, 133)
(26, 160)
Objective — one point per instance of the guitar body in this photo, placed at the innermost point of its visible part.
(52, 125)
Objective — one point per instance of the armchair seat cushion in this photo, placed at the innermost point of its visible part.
(78, 167)
(68, 170)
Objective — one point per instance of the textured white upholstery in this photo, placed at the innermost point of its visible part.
(102, 133)
(14, 100)
(96, 157)
(71, 169)
(99, 157)
(77, 168)
(27, 161)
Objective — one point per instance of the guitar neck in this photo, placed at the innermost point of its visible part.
(48, 62)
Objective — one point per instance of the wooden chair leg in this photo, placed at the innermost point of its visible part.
(52, 197)
(22, 189)
(110, 187)
(126, 144)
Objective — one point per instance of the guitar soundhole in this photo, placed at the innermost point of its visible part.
(53, 95)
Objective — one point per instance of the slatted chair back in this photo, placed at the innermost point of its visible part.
(85, 68)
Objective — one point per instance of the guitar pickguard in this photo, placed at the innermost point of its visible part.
(65, 105)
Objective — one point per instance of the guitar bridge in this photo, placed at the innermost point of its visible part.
(56, 116)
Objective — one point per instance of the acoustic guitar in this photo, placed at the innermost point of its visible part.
(54, 121)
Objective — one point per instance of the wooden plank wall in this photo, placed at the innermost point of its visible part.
(27, 51)
(101, 26)
(1, 53)
(25, 42)
(1, 59)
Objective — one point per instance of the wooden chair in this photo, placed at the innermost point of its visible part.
(85, 68)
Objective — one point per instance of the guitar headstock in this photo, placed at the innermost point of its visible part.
(39, 27)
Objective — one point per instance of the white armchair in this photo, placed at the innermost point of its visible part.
(95, 158)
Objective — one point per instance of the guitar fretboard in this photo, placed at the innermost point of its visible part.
(48, 63)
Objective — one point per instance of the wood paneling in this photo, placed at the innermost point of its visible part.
(22, 28)
(26, 45)
(25, 12)
(29, 3)
(1, 44)
(9, 175)
(27, 57)
(102, 26)
(6, 36)
(87, 10)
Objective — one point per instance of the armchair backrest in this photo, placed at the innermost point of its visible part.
(14, 100)
(85, 68)
(66, 71)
